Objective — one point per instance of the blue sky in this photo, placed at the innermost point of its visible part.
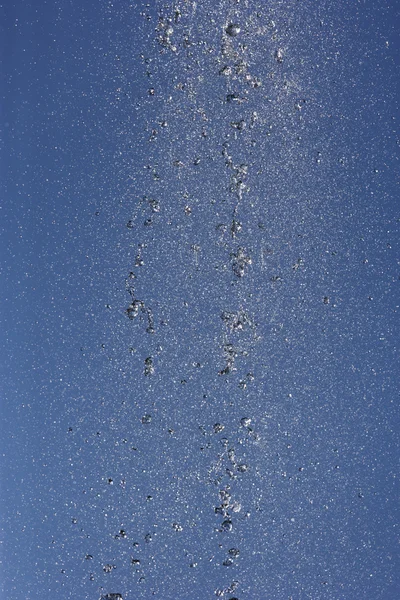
(200, 301)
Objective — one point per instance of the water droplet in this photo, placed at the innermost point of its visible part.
(233, 29)
(226, 525)
(154, 205)
(236, 507)
(239, 125)
(148, 366)
(218, 428)
(108, 568)
(133, 309)
(235, 98)
(226, 70)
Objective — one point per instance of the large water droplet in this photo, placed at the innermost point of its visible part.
(233, 29)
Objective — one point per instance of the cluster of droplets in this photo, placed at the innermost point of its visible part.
(165, 30)
(239, 331)
(138, 308)
(229, 467)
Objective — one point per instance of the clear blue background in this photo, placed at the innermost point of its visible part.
(102, 110)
